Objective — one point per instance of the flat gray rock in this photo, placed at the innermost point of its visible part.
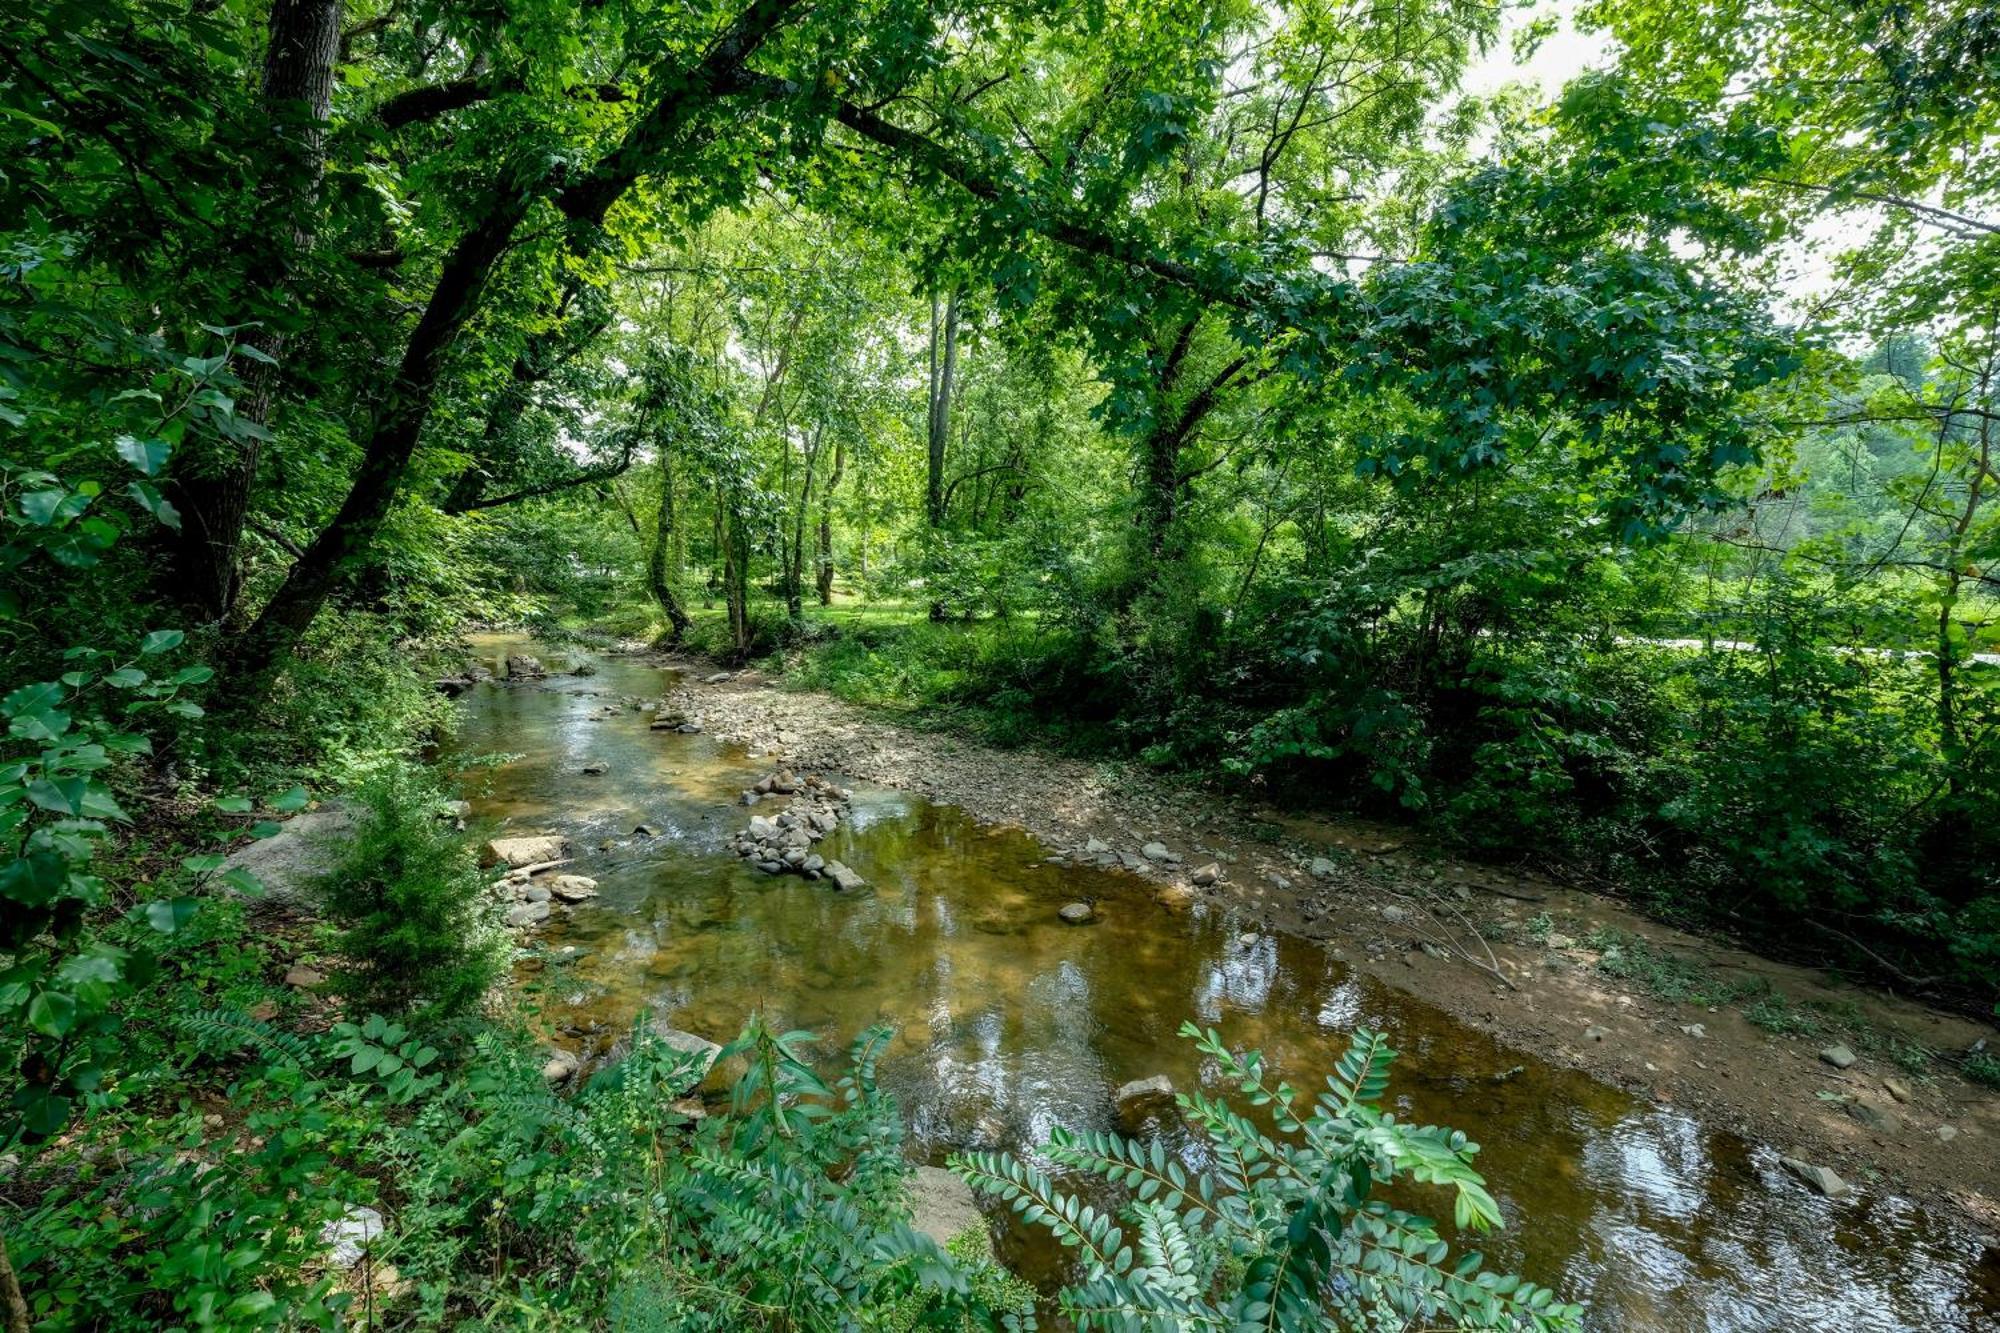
(1821, 1178)
(527, 851)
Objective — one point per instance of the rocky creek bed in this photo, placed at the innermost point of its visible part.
(1035, 928)
(1461, 935)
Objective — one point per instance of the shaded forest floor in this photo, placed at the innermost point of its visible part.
(1572, 976)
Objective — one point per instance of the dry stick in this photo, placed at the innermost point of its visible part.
(10, 1293)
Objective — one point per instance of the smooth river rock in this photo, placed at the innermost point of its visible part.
(1077, 914)
(942, 1205)
(573, 888)
(527, 914)
(526, 851)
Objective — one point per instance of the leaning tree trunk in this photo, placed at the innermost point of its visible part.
(213, 495)
(346, 540)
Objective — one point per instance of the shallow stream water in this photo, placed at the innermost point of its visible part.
(1010, 1022)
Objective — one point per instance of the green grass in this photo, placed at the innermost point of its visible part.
(1667, 976)
(1777, 1015)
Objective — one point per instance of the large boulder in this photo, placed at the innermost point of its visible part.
(520, 666)
(525, 851)
(290, 863)
(942, 1205)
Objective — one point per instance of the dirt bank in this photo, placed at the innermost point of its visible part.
(1573, 977)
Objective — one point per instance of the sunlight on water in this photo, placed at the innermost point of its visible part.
(1010, 1023)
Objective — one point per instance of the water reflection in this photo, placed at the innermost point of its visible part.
(1010, 1023)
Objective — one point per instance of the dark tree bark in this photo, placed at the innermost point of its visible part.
(944, 365)
(213, 496)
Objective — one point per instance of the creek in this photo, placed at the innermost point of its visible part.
(1009, 1022)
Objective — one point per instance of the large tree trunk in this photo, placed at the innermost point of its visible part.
(823, 573)
(213, 495)
(944, 365)
(461, 283)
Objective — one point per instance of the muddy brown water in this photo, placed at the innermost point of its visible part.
(1009, 1022)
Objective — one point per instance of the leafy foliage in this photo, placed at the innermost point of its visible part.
(1281, 1231)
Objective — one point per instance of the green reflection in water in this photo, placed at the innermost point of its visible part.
(1009, 1022)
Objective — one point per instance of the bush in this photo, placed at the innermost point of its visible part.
(1276, 1232)
(407, 899)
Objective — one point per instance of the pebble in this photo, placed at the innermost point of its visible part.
(1077, 914)
(1838, 1056)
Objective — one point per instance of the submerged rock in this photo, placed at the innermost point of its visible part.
(844, 879)
(1141, 1098)
(593, 767)
(1078, 914)
(526, 914)
(1176, 897)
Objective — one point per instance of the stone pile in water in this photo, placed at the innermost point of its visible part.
(527, 893)
(783, 843)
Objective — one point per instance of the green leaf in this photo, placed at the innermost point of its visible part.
(42, 1111)
(34, 698)
(233, 805)
(51, 1013)
(168, 915)
(161, 641)
(292, 801)
(149, 456)
(126, 678)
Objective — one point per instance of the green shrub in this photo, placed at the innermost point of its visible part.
(408, 903)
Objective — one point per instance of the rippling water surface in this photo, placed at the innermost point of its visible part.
(1009, 1022)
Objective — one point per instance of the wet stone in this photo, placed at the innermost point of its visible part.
(1824, 1179)
(1077, 914)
